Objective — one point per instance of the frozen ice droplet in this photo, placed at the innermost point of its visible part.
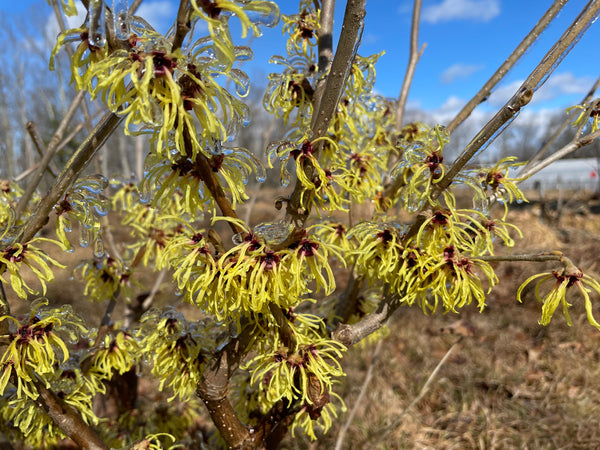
(85, 235)
(121, 19)
(99, 246)
(96, 36)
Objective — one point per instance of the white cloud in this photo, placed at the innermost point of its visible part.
(558, 84)
(564, 84)
(448, 10)
(459, 70)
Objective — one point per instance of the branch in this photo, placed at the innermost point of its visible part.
(413, 59)
(521, 98)
(542, 151)
(38, 143)
(325, 42)
(486, 90)
(326, 35)
(334, 86)
(569, 148)
(540, 257)
(76, 164)
(212, 389)
(49, 153)
(134, 6)
(68, 419)
(356, 332)
(182, 24)
(340, 67)
(347, 303)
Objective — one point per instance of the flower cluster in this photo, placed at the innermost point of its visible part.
(85, 204)
(563, 283)
(170, 341)
(250, 276)
(16, 256)
(421, 166)
(35, 347)
(305, 373)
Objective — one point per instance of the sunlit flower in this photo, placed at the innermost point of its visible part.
(452, 279)
(16, 256)
(290, 90)
(118, 354)
(35, 347)
(584, 117)
(564, 281)
(104, 277)
(496, 184)
(173, 342)
(84, 204)
(216, 14)
(302, 29)
(421, 166)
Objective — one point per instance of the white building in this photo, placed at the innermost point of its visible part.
(566, 174)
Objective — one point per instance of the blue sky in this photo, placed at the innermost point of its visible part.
(466, 41)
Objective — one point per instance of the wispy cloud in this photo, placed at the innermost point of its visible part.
(457, 71)
(449, 10)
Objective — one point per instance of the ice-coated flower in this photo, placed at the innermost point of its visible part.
(17, 256)
(35, 346)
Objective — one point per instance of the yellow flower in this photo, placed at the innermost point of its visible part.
(216, 13)
(453, 280)
(495, 184)
(18, 255)
(564, 280)
(421, 166)
(104, 277)
(302, 29)
(290, 91)
(35, 348)
(170, 341)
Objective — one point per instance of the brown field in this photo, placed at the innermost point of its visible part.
(509, 383)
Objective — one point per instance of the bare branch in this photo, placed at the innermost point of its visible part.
(542, 151)
(48, 155)
(569, 148)
(334, 85)
(212, 389)
(413, 59)
(326, 35)
(485, 91)
(356, 332)
(325, 52)
(182, 24)
(76, 164)
(340, 67)
(134, 6)
(38, 144)
(68, 420)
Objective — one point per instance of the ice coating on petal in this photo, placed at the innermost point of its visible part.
(273, 232)
(263, 13)
(241, 80)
